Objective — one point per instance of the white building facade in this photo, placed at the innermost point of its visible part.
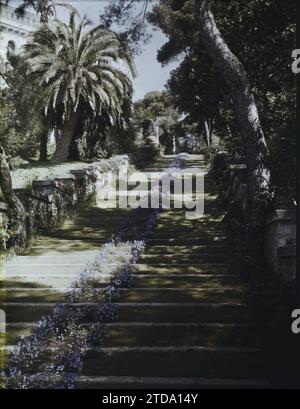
(14, 30)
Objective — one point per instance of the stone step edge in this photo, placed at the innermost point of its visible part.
(158, 275)
(147, 324)
(180, 382)
(170, 348)
(223, 288)
(111, 264)
(128, 304)
(153, 349)
(155, 275)
(177, 253)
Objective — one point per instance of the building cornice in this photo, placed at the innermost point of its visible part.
(15, 29)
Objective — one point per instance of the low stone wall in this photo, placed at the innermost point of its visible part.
(280, 243)
(280, 225)
(49, 202)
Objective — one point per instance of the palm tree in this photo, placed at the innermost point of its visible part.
(78, 71)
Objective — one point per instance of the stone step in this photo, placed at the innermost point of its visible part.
(187, 250)
(185, 281)
(188, 240)
(43, 270)
(209, 260)
(189, 334)
(183, 312)
(200, 224)
(188, 233)
(25, 312)
(48, 269)
(140, 312)
(51, 258)
(195, 361)
(179, 258)
(15, 331)
(155, 294)
(31, 295)
(166, 268)
(132, 311)
(172, 295)
(38, 281)
(199, 231)
(156, 334)
(177, 280)
(132, 382)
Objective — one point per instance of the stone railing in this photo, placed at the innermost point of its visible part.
(280, 243)
(49, 202)
(280, 225)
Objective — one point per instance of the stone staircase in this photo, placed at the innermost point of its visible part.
(185, 322)
(32, 283)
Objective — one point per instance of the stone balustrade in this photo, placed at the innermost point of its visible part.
(280, 243)
(280, 225)
(49, 202)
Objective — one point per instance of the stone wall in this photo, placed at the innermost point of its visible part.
(49, 202)
(280, 243)
(280, 225)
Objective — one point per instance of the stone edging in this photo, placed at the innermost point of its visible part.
(48, 203)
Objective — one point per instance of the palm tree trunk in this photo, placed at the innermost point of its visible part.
(62, 150)
(16, 211)
(207, 132)
(244, 103)
(74, 154)
(44, 12)
(43, 146)
(44, 139)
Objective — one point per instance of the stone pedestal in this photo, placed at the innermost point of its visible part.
(280, 243)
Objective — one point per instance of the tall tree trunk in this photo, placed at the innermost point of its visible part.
(44, 139)
(245, 107)
(207, 132)
(44, 11)
(16, 211)
(43, 146)
(63, 143)
(74, 152)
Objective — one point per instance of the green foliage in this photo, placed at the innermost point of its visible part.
(156, 106)
(77, 69)
(130, 19)
(262, 34)
(21, 123)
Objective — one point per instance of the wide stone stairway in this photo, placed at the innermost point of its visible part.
(185, 322)
(33, 282)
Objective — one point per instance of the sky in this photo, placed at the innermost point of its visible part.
(151, 75)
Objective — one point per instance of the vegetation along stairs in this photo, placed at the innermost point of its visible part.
(184, 323)
(33, 282)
